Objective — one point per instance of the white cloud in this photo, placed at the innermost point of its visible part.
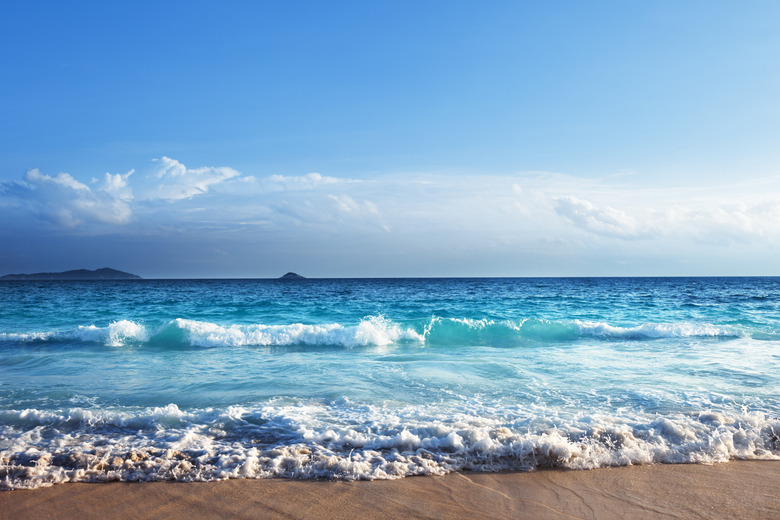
(325, 213)
(117, 185)
(347, 204)
(68, 202)
(717, 218)
(720, 224)
(484, 218)
(179, 182)
(62, 180)
(606, 221)
(302, 182)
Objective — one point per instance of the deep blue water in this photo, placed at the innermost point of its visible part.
(211, 379)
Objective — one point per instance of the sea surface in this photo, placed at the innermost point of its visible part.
(374, 379)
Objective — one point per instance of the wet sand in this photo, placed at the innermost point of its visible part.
(738, 489)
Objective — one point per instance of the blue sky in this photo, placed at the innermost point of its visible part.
(395, 139)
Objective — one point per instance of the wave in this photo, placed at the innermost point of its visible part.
(654, 330)
(440, 329)
(115, 334)
(375, 331)
(372, 330)
(346, 441)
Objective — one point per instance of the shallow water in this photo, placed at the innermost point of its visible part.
(212, 379)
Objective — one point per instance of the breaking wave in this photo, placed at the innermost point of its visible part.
(346, 441)
(373, 330)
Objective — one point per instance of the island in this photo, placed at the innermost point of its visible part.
(78, 274)
(292, 276)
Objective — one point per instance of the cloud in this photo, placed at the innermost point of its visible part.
(117, 185)
(179, 182)
(63, 200)
(62, 180)
(347, 204)
(475, 219)
(605, 221)
(713, 220)
(68, 202)
(302, 182)
(325, 213)
(727, 223)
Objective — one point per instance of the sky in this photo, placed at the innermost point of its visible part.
(389, 139)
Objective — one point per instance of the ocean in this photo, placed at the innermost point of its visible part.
(197, 380)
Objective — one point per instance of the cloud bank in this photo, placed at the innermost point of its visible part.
(420, 219)
(65, 201)
(605, 221)
(179, 182)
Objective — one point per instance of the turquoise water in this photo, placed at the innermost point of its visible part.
(214, 379)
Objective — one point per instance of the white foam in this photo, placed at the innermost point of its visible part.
(473, 323)
(653, 330)
(25, 337)
(373, 330)
(116, 334)
(347, 441)
(451, 329)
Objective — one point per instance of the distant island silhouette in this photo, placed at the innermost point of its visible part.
(292, 276)
(77, 274)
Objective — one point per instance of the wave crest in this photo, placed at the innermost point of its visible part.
(373, 331)
(454, 329)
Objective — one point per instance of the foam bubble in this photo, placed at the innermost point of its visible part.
(439, 330)
(116, 334)
(348, 441)
(653, 330)
(373, 330)
(25, 337)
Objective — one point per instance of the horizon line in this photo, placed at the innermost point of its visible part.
(456, 277)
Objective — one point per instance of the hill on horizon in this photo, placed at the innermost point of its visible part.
(105, 273)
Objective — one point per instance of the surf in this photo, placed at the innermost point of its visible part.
(371, 330)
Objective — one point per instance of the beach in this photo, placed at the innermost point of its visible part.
(390, 260)
(738, 489)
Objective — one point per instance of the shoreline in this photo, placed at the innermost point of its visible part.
(735, 489)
